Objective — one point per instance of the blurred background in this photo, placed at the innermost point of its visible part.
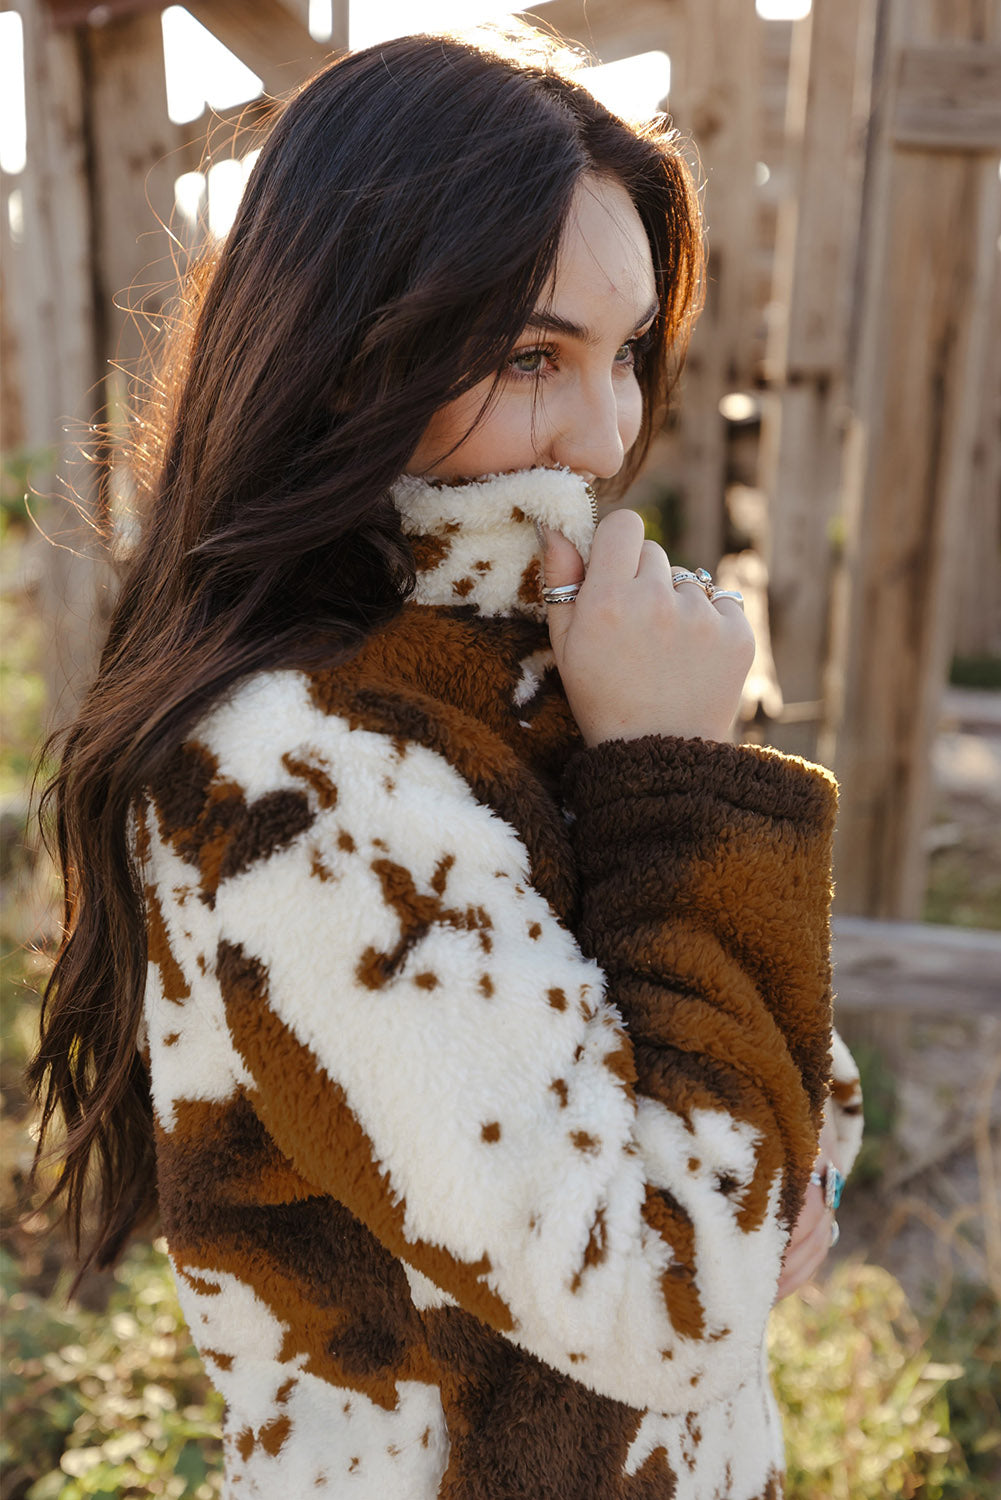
(834, 451)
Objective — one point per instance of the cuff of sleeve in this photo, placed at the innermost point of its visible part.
(696, 784)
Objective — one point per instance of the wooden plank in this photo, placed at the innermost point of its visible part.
(135, 158)
(929, 233)
(949, 98)
(81, 12)
(610, 30)
(807, 348)
(714, 99)
(265, 36)
(978, 600)
(916, 967)
(52, 305)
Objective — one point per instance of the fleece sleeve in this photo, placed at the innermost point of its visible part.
(596, 1147)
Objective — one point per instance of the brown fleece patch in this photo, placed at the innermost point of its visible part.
(671, 1222)
(429, 551)
(308, 1116)
(596, 1249)
(847, 1095)
(314, 774)
(490, 1132)
(559, 1088)
(208, 821)
(486, 985)
(159, 951)
(416, 913)
(224, 1361)
(653, 1480)
(518, 1427)
(273, 1434)
(463, 586)
(582, 1141)
(622, 1063)
(557, 999)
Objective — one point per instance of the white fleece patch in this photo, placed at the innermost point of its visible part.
(191, 1052)
(492, 521)
(325, 1439)
(706, 1461)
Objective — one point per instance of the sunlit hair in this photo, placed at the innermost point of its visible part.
(398, 229)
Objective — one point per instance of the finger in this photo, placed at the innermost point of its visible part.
(561, 564)
(729, 607)
(615, 551)
(653, 562)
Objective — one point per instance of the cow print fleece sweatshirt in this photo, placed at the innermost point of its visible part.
(487, 1068)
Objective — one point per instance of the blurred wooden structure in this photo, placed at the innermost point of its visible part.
(853, 207)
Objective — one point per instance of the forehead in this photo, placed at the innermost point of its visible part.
(604, 263)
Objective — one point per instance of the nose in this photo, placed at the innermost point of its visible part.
(592, 435)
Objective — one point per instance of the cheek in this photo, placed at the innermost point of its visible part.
(630, 413)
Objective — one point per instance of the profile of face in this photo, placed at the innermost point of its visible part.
(568, 394)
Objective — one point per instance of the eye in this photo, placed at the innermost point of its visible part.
(630, 355)
(531, 361)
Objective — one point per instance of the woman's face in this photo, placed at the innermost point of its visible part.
(568, 393)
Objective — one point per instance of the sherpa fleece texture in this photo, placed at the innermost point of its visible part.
(487, 1068)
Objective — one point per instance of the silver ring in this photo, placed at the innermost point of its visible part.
(835, 1232)
(566, 593)
(685, 575)
(733, 594)
(832, 1182)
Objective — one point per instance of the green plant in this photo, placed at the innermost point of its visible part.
(112, 1404)
(865, 1406)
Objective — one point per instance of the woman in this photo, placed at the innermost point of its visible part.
(472, 991)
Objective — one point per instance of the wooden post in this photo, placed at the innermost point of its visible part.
(52, 305)
(808, 345)
(931, 216)
(134, 161)
(714, 98)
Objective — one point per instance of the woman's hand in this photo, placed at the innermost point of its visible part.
(636, 655)
(811, 1235)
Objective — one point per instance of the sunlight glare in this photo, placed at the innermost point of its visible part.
(783, 10)
(634, 87)
(380, 20)
(12, 116)
(321, 20)
(200, 70)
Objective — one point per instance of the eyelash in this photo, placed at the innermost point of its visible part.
(637, 346)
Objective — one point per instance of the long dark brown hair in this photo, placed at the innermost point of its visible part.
(398, 229)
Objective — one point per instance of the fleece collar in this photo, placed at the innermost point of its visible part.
(476, 543)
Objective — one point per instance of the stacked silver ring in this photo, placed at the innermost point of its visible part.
(565, 594)
(704, 579)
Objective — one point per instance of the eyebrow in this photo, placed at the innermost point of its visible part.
(550, 322)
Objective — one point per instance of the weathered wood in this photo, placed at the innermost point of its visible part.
(978, 597)
(135, 158)
(807, 346)
(53, 307)
(948, 98)
(714, 99)
(916, 967)
(265, 36)
(929, 231)
(610, 30)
